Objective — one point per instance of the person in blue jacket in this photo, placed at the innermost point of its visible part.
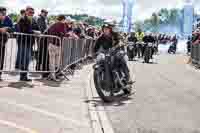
(6, 25)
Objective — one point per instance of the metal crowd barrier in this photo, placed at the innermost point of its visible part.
(195, 54)
(41, 53)
(76, 50)
(30, 53)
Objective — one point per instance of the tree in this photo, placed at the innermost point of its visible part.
(173, 16)
(163, 18)
(164, 15)
(138, 25)
(155, 22)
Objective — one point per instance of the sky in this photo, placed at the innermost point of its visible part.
(110, 9)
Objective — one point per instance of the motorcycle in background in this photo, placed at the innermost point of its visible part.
(131, 50)
(172, 49)
(148, 52)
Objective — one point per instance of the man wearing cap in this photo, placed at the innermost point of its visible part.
(6, 25)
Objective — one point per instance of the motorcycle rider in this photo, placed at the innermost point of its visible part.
(108, 40)
(132, 38)
(148, 38)
(140, 36)
(132, 52)
(175, 42)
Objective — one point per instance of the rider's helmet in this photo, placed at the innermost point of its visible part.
(132, 34)
(107, 26)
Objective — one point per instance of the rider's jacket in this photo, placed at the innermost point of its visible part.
(106, 42)
(132, 39)
(140, 36)
(149, 39)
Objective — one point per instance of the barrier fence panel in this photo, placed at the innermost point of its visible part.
(29, 53)
(195, 54)
(75, 50)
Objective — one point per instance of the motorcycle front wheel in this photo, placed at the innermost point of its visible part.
(100, 85)
(147, 55)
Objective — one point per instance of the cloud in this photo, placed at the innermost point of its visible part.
(102, 8)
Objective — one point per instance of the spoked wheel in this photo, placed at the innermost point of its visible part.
(105, 93)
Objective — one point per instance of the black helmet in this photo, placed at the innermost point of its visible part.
(107, 26)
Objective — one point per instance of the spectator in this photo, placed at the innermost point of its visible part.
(70, 26)
(30, 13)
(196, 37)
(42, 20)
(22, 13)
(43, 54)
(6, 25)
(132, 38)
(25, 43)
(77, 32)
(90, 32)
(58, 29)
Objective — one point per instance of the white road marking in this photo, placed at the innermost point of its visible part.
(100, 110)
(44, 112)
(14, 125)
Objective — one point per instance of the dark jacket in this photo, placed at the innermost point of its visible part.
(107, 42)
(132, 39)
(6, 23)
(58, 29)
(103, 41)
(35, 25)
(42, 24)
(149, 39)
(24, 26)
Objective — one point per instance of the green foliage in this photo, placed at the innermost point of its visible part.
(138, 25)
(91, 20)
(163, 17)
(14, 17)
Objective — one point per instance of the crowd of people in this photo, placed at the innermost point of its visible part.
(29, 24)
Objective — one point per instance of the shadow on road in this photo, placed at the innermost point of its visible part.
(152, 63)
(50, 83)
(20, 85)
(119, 100)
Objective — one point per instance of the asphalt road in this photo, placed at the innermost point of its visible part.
(167, 99)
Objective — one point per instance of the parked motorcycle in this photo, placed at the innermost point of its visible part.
(108, 79)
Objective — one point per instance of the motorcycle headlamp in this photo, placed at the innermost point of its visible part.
(100, 57)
